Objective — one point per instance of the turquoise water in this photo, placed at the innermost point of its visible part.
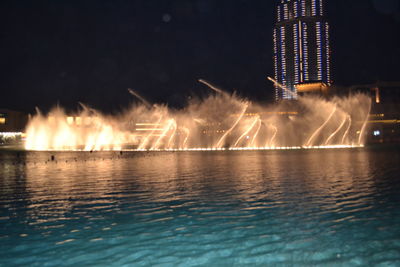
(276, 208)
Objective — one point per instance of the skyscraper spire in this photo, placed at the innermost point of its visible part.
(301, 45)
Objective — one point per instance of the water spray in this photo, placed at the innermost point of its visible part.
(294, 95)
(135, 94)
(321, 127)
(212, 87)
(219, 144)
(218, 122)
(337, 131)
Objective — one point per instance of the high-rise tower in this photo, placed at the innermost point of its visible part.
(301, 45)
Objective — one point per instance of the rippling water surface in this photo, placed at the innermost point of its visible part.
(317, 207)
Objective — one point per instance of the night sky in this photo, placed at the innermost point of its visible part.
(67, 52)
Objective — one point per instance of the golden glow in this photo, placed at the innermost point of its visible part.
(311, 87)
(11, 134)
(144, 143)
(336, 132)
(172, 136)
(70, 120)
(347, 130)
(377, 115)
(257, 132)
(149, 129)
(255, 148)
(321, 127)
(247, 131)
(167, 128)
(147, 124)
(270, 113)
(60, 132)
(385, 121)
(377, 96)
(360, 139)
(271, 141)
(78, 121)
(219, 144)
(208, 124)
(187, 131)
(2, 120)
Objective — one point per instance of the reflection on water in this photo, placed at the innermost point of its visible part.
(190, 208)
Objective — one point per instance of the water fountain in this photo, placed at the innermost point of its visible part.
(222, 121)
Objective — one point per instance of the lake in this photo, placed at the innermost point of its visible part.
(303, 207)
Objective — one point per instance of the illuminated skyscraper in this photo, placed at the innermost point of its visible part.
(301, 45)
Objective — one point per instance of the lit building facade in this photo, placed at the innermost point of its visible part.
(301, 46)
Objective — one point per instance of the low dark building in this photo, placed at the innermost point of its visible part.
(12, 124)
(12, 121)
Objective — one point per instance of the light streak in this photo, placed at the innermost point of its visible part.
(364, 124)
(337, 130)
(246, 132)
(187, 131)
(148, 129)
(321, 127)
(172, 135)
(257, 131)
(233, 126)
(147, 124)
(276, 83)
(144, 101)
(213, 87)
(146, 140)
(228, 149)
(348, 129)
(271, 141)
(164, 133)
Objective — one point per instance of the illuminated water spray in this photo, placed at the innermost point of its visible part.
(276, 83)
(138, 96)
(314, 134)
(212, 87)
(337, 131)
(218, 122)
(249, 128)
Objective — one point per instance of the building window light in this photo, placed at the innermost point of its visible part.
(321, 9)
(2, 120)
(314, 8)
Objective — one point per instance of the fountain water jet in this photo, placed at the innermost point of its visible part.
(212, 87)
(321, 127)
(219, 144)
(347, 130)
(364, 124)
(256, 133)
(335, 132)
(247, 131)
(276, 83)
(271, 141)
(135, 94)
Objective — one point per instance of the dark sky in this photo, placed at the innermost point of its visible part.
(92, 51)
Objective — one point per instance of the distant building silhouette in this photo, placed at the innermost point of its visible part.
(301, 46)
(12, 123)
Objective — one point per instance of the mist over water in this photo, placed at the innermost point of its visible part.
(218, 121)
